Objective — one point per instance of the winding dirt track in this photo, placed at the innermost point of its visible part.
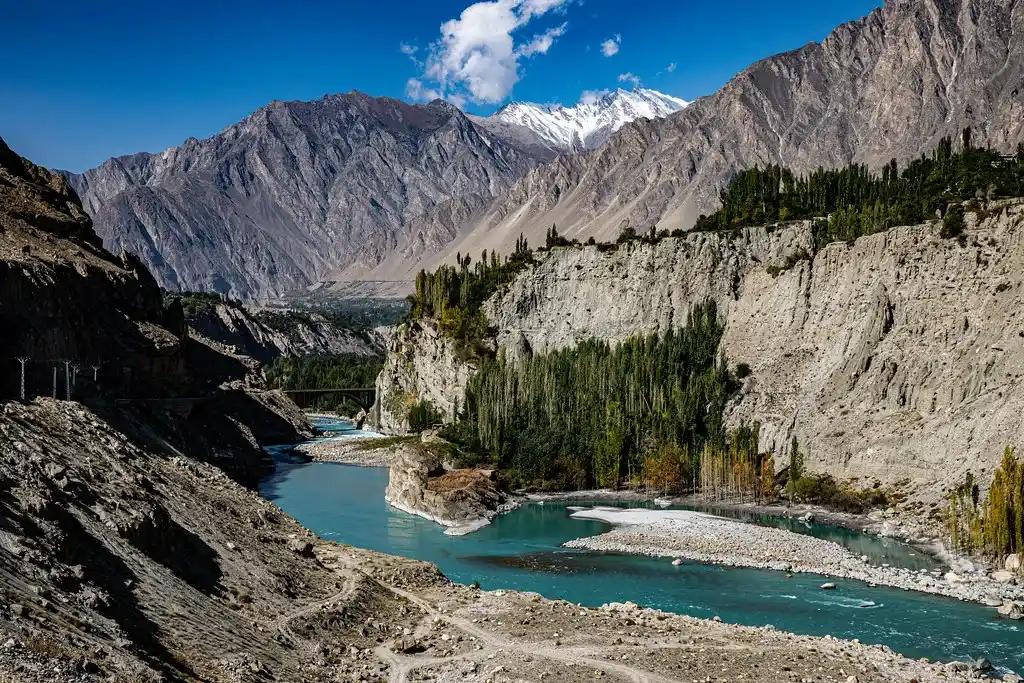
(401, 666)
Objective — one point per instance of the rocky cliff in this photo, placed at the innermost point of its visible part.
(422, 366)
(897, 357)
(420, 483)
(267, 335)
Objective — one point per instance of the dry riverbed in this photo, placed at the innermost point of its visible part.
(707, 538)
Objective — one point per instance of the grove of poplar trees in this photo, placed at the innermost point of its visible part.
(993, 526)
(597, 415)
(859, 202)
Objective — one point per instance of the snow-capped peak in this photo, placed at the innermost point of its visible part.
(588, 124)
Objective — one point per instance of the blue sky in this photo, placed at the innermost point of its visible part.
(111, 77)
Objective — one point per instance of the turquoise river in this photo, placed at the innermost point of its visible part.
(522, 551)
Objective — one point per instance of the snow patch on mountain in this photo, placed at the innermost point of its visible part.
(588, 124)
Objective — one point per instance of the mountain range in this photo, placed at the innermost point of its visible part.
(353, 188)
(298, 189)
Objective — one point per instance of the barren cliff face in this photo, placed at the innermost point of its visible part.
(422, 365)
(897, 357)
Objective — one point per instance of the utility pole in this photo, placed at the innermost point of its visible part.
(96, 371)
(67, 379)
(54, 382)
(23, 361)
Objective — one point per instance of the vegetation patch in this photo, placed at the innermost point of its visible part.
(858, 202)
(595, 415)
(377, 444)
(196, 304)
(325, 372)
(423, 415)
(994, 526)
(454, 295)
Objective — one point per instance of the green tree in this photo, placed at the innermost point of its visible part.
(796, 466)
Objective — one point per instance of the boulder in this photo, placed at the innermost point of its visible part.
(407, 645)
(418, 483)
(676, 562)
(1004, 577)
(1012, 610)
(828, 586)
(1012, 563)
(982, 665)
(301, 546)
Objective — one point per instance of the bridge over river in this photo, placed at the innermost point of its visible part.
(364, 397)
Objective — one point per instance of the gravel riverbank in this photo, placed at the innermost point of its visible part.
(707, 538)
(365, 452)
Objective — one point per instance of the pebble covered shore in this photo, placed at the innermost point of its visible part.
(706, 538)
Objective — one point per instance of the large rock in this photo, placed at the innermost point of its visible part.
(418, 484)
(1012, 563)
(1012, 610)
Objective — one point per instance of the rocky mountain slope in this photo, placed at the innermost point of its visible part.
(887, 86)
(298, 189)
(269, 334)
(897, 357)
(586, 125)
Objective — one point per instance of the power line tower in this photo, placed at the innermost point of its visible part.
(23, 361)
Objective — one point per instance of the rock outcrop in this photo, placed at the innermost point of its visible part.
(267, 335)
(894, 358)
(420, 484)
(422, 366)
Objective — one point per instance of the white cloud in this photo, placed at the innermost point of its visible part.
(592, 96)
(611, 46)
(477, 57)
(408, 49)
(630, 78)
(671, 67)
(416, 91)
(541, 42)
